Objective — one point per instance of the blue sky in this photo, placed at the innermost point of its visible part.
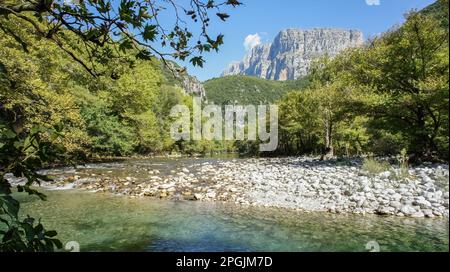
(268, 17)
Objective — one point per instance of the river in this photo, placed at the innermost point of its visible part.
(107, 222)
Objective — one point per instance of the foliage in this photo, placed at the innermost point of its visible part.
(109, 29)
(299, 123)
(36, 85)
(108, 134)
(74, 82)
(22, 154)
(406, 75)
(387, 96)
(321, 118)
(439, 11)
(245, 90)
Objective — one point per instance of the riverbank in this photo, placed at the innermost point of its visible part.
(293, 183)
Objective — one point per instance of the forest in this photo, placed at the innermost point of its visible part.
(93, 116)
(365, 101)
(82, 80)
(387, 97)
(60, 106)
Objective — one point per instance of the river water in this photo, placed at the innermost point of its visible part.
(106, 222)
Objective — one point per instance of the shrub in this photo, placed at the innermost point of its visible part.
(374, 167)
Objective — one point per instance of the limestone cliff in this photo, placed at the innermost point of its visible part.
(291, 53)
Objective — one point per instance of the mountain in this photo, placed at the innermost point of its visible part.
(253, 80)
(190, 84)
(246, 90)
(439, 11)
(290, 55)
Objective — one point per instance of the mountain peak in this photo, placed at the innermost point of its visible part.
(290, 55)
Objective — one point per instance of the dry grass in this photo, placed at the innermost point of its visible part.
(375, 167)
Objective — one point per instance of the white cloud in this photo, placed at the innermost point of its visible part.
(251, 41)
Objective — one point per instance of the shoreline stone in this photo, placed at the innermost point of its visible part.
(292, 183)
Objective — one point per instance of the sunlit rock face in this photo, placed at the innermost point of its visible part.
(193, 86)
(291, 53)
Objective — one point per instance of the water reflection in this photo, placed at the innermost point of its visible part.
(101, 222)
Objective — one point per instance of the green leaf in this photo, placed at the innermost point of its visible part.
(149, 33)
(210, 4)
(39, 228)
(144, 55)
(9, 134)
(18, 144)
(51, 233)
(10, 205)
(233, 3)
(4, 221)
(197, 61)
(29, 231)
(126, 45)
(223, 16)
(57, 243)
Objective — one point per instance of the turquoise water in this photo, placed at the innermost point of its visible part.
(100, 222)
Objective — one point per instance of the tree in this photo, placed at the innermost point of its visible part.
(107, 38)
(34, 106)
(407, 71)
(389, 95)
(299, 123)
(107, 28)
(333, 94)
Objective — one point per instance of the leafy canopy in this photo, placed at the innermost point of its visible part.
(109, 28)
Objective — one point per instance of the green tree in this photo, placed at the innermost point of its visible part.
(106, 27)
(299, 122)
(332, 96)
(405, 74)
(41, 40)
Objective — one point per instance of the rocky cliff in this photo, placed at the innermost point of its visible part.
(177, 76)
(193, 86)
(291, 53)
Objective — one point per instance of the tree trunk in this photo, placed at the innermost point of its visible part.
(328, 152)
(422, 143)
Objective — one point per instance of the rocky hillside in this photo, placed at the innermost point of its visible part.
(190, 84)
(290, 55)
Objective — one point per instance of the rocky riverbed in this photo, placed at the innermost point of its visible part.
(294, 183)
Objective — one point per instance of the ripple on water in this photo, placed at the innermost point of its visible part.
(101, 222)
